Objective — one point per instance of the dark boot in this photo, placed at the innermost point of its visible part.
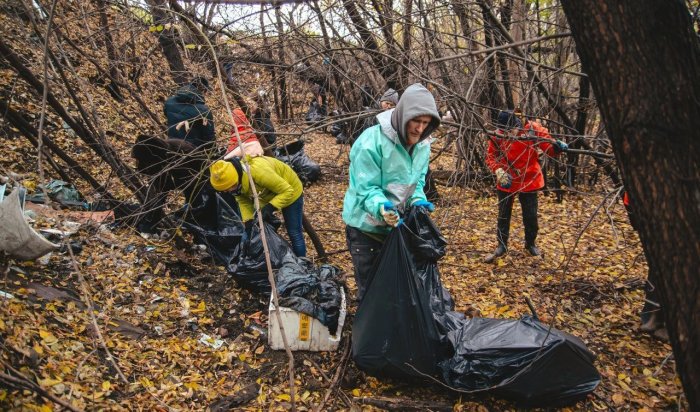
(533, 250)
(500, 251)
(652, 323)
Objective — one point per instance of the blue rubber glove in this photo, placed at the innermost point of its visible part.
(424, 204)
(390, 215)
(561, 146)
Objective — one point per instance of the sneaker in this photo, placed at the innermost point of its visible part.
(533, 250)
(500, 251)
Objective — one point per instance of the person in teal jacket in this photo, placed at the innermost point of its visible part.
(388, 163)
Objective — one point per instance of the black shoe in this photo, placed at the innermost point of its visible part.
(533, 250)
(500, 251)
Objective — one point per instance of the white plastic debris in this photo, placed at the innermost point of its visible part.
(211, 342)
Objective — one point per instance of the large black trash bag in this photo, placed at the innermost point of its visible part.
(427, 246)
(250, 269)
(393, 333)
(214, 220)
(311, 290)
(523, 360)
(338, 129)
(316, 113)
(293, 154)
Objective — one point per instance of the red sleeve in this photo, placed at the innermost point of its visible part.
(491, 154)
(543, 133)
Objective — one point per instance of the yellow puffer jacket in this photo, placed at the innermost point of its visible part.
(276, 183)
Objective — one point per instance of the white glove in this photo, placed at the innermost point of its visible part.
(184, 124)
(503, 178)
(390, 216)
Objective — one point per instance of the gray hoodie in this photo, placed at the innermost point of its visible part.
(415, 101)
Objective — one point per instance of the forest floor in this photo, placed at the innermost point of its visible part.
(153, 301)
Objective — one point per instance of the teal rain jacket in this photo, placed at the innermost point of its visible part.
(381, 169)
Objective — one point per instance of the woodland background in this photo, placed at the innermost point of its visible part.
(117, 325)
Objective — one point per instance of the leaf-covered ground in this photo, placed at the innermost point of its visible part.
(154, 300)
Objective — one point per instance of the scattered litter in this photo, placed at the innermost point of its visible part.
(211, 342)
(44, 260)
(6, 295)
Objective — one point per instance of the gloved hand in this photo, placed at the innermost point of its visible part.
(391, 217)
(268, 212)
(503, 178)
(560, 146)
(424, 204)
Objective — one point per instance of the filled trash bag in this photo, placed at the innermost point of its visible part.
(393, 333)
(250, 269)
(214, 220)
(337, 129)
(523, 360)
(293, 154)
(427, 246)
(316, 113)
(310, 290)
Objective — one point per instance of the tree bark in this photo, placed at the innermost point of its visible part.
(166, 38)
(643, 59)
(114, 75)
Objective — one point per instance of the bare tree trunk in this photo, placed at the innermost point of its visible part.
(648, 89)
(284, 98)
(111, 53)
(105, 152)
(166, 38)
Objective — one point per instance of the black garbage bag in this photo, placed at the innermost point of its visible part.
(338, 129)
(393, 332)
(214, 220)
(310, 290)
(262, 123)
(250, 269)
(427, 246)
(316, 113)
(293, 154)
(523, 360)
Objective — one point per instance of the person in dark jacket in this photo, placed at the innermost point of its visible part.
(189, 118)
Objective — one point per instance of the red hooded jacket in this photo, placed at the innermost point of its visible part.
(519, 157)
(245, 130)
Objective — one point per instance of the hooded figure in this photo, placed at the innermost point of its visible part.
(389, 99)
(189, 118)
(388, 163)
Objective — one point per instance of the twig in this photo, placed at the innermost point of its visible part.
(22, 382)
(336, 378)
(91, 311)
(44, 95)
(504, 46)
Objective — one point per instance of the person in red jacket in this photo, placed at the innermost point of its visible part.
(249, 140)
(513, 157)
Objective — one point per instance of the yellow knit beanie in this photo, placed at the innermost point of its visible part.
(223, 175)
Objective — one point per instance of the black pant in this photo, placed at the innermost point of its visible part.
(528, 203)
(364, 252)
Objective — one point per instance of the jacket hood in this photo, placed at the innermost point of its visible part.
(415, 101)
(189, 94)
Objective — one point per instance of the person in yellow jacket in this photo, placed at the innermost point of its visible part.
(278, 187)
